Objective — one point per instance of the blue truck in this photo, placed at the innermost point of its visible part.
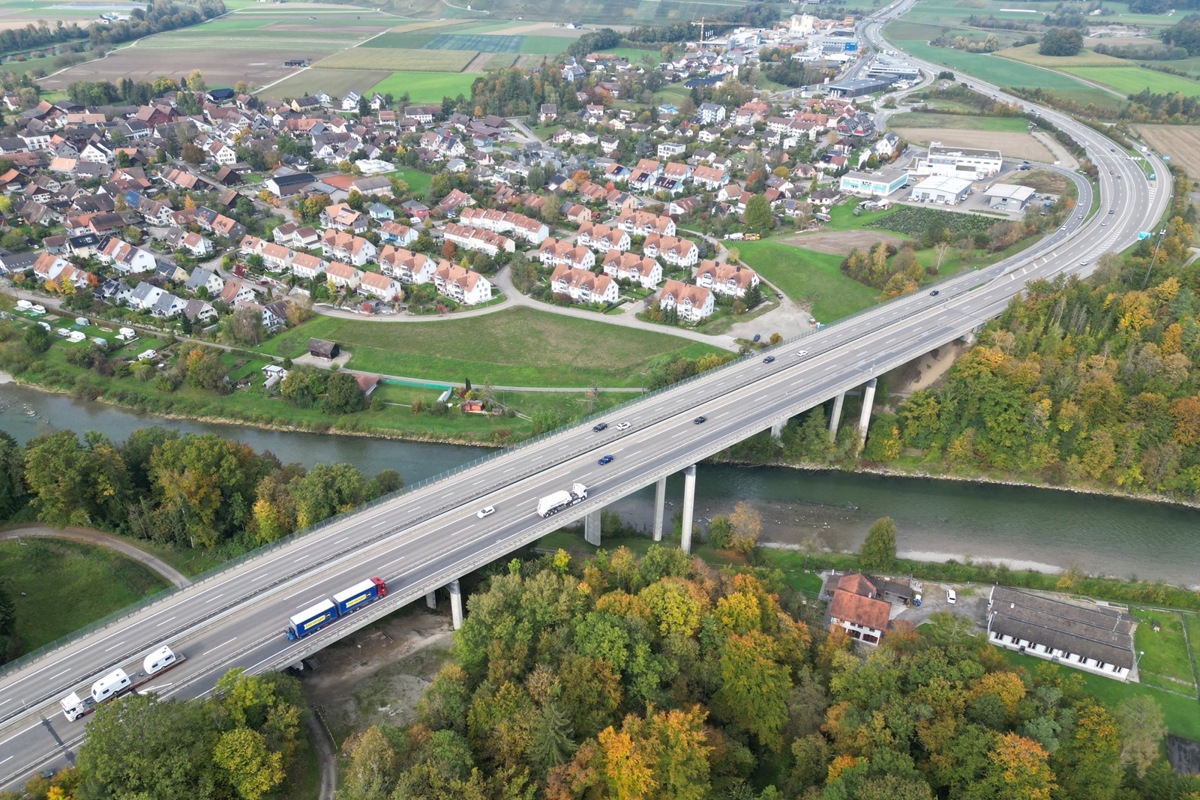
(316, 617)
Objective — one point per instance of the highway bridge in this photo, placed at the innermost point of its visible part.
(429, 536)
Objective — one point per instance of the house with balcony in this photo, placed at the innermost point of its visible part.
(691, 303)
(462, 285)
(583, 286)
(726, 279)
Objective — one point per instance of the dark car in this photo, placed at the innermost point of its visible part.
(698, 420)
(757, 336)
(605, 460)
(600, 426)
(935, 293)
(768, 359)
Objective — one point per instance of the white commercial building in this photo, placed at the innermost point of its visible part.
(1008, 196)
(946, 191)
(960, 162)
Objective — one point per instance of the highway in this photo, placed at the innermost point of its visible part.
(430, 535)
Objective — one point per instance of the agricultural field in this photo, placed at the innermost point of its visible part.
(425, 87)
(918, 119)
(377, 58)
(478, 42)
(335, 81)
(1028, 54)
(605, 12)
(1180, 142)
(1010, 143)
(19, 13)
(1130, 79)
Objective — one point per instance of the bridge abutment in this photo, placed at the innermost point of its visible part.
(689, 507)
(456, 604)
(777, 428)
(591, 528)
(660, 501)
(864, 419)
(431, 600)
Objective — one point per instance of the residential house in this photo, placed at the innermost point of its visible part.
(644, 271)
(204, 279)
(397, 234)
(343, 217)
(407, 266)
(347, 247)
(676, 252)
(857, 609)
(555, 252)
(235, 292)
(726, 279)
(477, 239)
(602, 238)
(343, 276)
(583, 286)
(691, 303)
(124, 257)
(307, 267)
(462, 285)
(643, 223)
(518, 225)
(381, 286)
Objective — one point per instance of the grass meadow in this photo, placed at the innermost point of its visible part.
(426, 87)
(809, 276)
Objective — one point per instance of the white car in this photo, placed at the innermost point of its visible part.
(486, 511)
(951, 597)
(801, 352)
(624, 426)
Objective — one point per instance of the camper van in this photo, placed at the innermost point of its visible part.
(111, 684)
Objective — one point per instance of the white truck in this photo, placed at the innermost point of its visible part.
(553, 503)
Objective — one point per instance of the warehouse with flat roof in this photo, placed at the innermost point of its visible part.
(946, 191)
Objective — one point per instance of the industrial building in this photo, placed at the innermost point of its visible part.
(862, 87)
(882, 67)
(960, 162)
(946, 191)
(1008, 196)
(873, 184)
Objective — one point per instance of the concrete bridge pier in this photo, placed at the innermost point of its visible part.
(431, 600)
(835, 418)
(689, 507)
(591, 528)
(456, 605)
(777, 428)
(660, 501)
(864, 420)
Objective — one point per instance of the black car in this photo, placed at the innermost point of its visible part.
(768, 359)
(757, 336)
(599, 426)
(698, 420)
(934, 293)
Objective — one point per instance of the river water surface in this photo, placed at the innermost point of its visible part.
(937, 519)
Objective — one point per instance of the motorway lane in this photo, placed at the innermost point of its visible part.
(432, 533)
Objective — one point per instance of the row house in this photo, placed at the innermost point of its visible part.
(519, 225)
(343, 217)
(306, 266)
(475, 239)
(726, 279)
(125, 257)
(396, 233)
(583, 286)
(556, 252)
(690, 303)
(407, 266)
(462, 285)
(602, 238)
(646, 272)
(709, 178)
(643, 223)
(381, 286)
(347, 247)
(676, 252)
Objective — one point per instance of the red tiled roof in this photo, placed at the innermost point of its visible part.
(865, 611)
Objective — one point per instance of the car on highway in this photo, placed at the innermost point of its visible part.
(699, 420)
(1112, 211)
(768, 359)
(624, 426)
(935, 292)
(486, 511)
(605, 460)
(1103, 223)
(801, 352)
(599, 426)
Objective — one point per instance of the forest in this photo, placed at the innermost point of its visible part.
(621, 678)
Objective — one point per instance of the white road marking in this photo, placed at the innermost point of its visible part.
(164, 622)
(222, 644)
(114, 647)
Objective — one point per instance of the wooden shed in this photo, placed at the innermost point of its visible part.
(320, 348)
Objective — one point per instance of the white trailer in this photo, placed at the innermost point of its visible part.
(553, 503)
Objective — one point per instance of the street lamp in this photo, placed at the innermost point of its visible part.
(1136, 661)
(644, 381)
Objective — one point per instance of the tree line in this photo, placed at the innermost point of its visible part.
(666, 679)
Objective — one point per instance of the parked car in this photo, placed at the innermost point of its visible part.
(951, 597)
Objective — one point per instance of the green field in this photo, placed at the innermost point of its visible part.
(42, 572)
(513, 347)
(1131, 80)
(403, 40)
(417, 181)
(335, 81)
(398, 60)
(426, 87)
(544, 45)
(1166, 662)
(1181, 714)
(479, 43)
(809, 277)
(917, 119)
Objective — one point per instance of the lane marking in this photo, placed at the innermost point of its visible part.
(218, 647)
(164, 622)
(114, 647)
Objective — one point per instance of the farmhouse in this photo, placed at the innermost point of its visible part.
(1090, 637)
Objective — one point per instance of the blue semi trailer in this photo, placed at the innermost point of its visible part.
(316, 617)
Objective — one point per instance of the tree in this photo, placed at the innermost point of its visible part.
(37, 339)
(195, 81)
(371, 766)
(878, 552)
(1140, 724)
(1061, 42)
(745, 525)
(70, 484)
(1017, 769)
(326, 490)
(12, 486)
(758, 214)
(245, 326)
(249, 766)
(342, 394)
(753, 688)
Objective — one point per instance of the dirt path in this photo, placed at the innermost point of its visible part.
(100, 539)
(322, 744)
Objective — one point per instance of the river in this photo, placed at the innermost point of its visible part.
(937, 519)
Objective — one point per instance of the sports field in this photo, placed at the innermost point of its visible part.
(426, 87)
